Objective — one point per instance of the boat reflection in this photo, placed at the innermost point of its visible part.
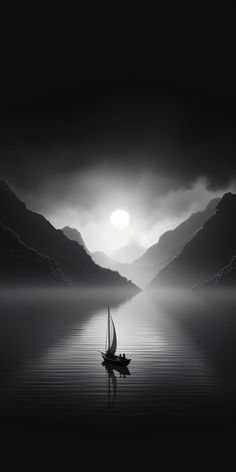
(111, 380)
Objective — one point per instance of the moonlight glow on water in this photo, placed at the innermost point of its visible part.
(53, 373)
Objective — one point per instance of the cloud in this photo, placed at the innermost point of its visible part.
(81, 152)
(86, 201)
(129, 127)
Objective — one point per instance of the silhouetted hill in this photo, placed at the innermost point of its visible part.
(98, 257)
(211, 249)
(37, 233)
(20, 264)
(75, 235)
(172, 242)
(103, 260)
(225, 278)
(169, 245)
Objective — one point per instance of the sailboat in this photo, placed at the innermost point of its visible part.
(110, 354)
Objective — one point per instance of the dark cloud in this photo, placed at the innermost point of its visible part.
(104, 122)
(131, 125)
(164, 106)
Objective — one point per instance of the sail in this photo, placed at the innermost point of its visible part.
(113, 340)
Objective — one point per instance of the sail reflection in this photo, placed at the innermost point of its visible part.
(111, 380)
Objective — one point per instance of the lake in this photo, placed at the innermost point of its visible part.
(182, 373)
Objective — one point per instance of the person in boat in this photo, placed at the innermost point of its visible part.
(120, 357)
(109, 354)
(123, 356)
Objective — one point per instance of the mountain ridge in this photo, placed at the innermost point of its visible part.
(38, 233)
(170, 243)
(21, 264)
(203, 256)
(98, 257)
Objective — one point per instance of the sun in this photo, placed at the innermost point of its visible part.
(119, 219)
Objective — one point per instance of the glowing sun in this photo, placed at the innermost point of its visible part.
(119, 219)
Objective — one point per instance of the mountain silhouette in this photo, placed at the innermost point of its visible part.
(37, 233)
(169, 245)
(103, 260)
(75, 235)
(207, 253)
(98, 257)
(20, 264)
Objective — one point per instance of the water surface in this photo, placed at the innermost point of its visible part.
(182, 373)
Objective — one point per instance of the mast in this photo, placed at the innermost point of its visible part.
(109, 341)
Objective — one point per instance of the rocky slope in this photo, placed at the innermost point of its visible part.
(37, 233)
(98, 257)
(169, 245)
(20, 264)
(225, 278)
(75, 235)
(211, 249)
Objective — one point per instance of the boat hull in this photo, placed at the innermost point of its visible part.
(115, 360)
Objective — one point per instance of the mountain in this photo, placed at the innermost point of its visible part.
(140, 275)
(103, 260)
(127, 253)
(169, 245)
(20, 264)
(211, 249)
(75, 235)
(98, 257)
(37, 233)
(225, 278)
(173, 241)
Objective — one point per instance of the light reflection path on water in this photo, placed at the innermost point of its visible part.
(168, 370)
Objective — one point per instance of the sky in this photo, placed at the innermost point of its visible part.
(146, 126)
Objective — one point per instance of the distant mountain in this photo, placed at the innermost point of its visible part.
(169, 245)
(75, 235)
(225, 278)
(211, 249)
(140, 275)
(37, 233)
(127, 253)
(20, 264)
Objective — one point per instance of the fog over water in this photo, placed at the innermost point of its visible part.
(182, 372)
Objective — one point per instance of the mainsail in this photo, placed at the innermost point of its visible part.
(112, 341)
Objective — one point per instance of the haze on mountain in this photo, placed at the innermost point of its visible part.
(127, 253)
(37, 233)
(75, 235)
(103, 260)
(124, 254)
(210, 250)
(169, 245)
(98, 257)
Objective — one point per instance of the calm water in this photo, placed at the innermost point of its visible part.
(182, 373)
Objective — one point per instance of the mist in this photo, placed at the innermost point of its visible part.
(86, 201)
